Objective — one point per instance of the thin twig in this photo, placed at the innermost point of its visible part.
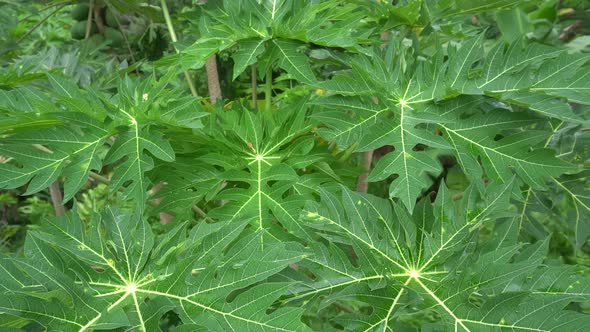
(39, 24)
(100, 26)
(125, 38)
(54, 191)
(44, 9)
(99, 178)
(343, 307)
(201, 213)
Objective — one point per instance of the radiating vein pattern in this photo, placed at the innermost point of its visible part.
(397, 256)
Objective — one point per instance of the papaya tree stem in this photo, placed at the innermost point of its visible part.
(213, 83)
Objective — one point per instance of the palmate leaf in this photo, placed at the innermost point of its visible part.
(507, 72)
(69, 140)
(256, 164)
(417, 105)
(69, 153)
(375, 125)
(566, 76)
(273, 30)
(430, 270)
(116, 275)
(450, 8)
(132, 146)
(68, 144)
(260, 154)
(187, 182)
(500, 156)
(138, 108)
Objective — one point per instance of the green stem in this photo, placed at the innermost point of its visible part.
(168, 21)
(268, 89)
(254, 87)
(174, 40)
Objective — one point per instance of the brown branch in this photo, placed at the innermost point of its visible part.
(126, 39)
(212, 76)
(56, 199)
(172, 33)
(98, 20)
(570, 31)
(362, 183)
(213, 79)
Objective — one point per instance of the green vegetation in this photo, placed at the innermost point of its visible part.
(295, 165)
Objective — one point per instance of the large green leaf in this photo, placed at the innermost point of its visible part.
(418, 102)
(263, 152)
(115, 275)
(59, 143)
(73, 151)
(502, 157)
(69, 139)
(430, 271)
(273, 30)
(509, 73)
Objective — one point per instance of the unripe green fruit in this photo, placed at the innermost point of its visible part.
(80, 12)
(114, 35)
(79, 30)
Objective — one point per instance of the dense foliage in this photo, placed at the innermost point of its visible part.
(468, 119)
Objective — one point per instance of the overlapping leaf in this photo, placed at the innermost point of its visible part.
(115, 275)
(565, 208)
(70, 141)
(430, 270)
(416, 103)
(68, 144)
(261, 153)
(274, 30)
